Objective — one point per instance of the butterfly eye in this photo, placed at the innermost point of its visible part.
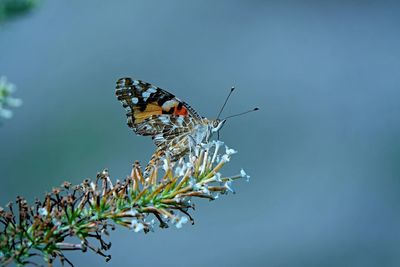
(215, 123)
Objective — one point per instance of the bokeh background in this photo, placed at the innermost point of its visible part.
(323, 151)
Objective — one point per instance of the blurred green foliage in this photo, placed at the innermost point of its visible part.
(6, 100)
(13, 8)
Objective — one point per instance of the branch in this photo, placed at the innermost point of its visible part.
(88, 212)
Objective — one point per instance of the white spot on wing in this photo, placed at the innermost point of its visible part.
(146, 94)
(169, 104)
(135, 100)
(152, 90)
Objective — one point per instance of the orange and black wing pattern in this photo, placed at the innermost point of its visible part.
(150, 109)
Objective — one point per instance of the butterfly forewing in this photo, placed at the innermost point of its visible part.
(152, 111)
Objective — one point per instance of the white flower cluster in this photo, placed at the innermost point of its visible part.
(6, 101)
(214, 158)
(201, 171)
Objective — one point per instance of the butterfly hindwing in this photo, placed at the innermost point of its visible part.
(175, 130)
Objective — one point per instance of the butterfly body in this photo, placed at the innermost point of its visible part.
(174, 126)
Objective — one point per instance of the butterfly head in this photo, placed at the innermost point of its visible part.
(216, 125)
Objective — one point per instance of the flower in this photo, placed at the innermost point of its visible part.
(137, 226)
(243, 174)
(6, 101)
(180, 221)
(226, 158)
(5, 113)
(43, 211)
(204, 190)
(228, 186)
(13, 102)
(217, 144)
(181, 167)
(132, 212)
(217, 177)
(56, 222)
(229, 151)
(165, 164)
(150, 225)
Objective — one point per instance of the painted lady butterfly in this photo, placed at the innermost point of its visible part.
(174, 126)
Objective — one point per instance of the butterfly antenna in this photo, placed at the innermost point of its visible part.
(239, 114)
(226, 100)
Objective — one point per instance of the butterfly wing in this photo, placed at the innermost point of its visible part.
(152, 111)
(176, 134)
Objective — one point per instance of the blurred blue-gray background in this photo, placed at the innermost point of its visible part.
(323, 152)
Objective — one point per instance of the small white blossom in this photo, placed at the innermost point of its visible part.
(230, 151)
(228, 186)
(182, 167)
(243, 174)
(151, 224)
(189, 165)
(178, 199)
(192, 160)
(193, 183)
(14, 102)
(165, 165)
(56, 222)
(43, 212)
(9, 87)
(137, 226)
(132, 212)
(93, 186)
(226, 158)
(182, 220)
(206, 146)
(217, 144)
(6, 101)
(184, 200)
(205, 190)
(179, 171)
(5, 113)
(217, 177)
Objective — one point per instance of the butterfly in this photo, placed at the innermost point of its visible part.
(174, 126)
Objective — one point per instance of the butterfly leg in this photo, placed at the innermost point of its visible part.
(153, 163)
